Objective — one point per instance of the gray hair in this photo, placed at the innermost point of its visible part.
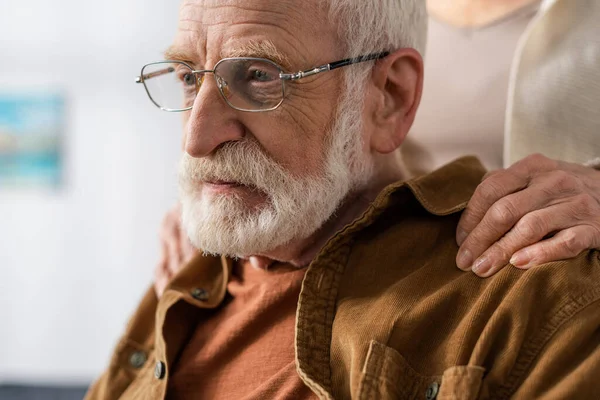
(371, 26)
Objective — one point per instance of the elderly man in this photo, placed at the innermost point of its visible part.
(324, 274)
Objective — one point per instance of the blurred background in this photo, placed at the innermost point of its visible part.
(87, 170)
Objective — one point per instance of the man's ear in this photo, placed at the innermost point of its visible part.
(397, 84)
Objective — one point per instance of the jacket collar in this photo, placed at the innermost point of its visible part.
(448, 189)
(442, 192)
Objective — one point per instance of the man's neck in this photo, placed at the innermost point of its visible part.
(301, 253)
(473, 13)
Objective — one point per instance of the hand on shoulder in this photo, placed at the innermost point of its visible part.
(537, 211)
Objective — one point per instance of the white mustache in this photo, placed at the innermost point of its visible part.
(243, 163)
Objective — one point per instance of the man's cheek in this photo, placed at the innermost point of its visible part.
(306, 133)
(307, 115)
(184, 118)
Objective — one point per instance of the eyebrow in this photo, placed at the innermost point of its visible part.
(253, 48)
(259, 49)
(174, 53)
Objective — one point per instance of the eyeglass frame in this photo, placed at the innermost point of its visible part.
(283, 76)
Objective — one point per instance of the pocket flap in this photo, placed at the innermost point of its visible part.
(461, 383)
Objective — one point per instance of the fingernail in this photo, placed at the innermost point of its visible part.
(464, 259)
(461, 235)
(259, 263)
(520, 259)
(481, 266)
(254, 262)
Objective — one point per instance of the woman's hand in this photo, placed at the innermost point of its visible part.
(176, 250)
(537, 211)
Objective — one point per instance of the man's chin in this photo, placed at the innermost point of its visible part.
(234, 251)
(226, 224)
(239, 221)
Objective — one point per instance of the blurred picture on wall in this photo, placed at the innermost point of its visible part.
(31, 137)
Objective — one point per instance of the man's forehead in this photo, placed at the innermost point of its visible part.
(210, 28)
(249, 48)
(276, 8)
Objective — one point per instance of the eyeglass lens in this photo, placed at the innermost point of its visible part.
(246, 84)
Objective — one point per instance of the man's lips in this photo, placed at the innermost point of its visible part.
(223, 186)
(217, 187)
(231, 186)
(223, 183)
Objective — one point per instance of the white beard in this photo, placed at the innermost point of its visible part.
(296, 207)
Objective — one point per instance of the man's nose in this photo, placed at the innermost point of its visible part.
(211, 123)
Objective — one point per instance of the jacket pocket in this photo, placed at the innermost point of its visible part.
(387, 375)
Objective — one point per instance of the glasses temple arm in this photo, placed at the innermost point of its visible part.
(304, 74)
(151, 75)
(355, 60)
(333, 65)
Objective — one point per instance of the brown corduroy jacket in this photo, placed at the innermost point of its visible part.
(385, 314)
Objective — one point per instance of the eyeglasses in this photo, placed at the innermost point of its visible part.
(245, 83)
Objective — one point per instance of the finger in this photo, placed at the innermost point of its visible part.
(565, 244)
(162, 266)
(498, 220)
(162, 278)
(188, 250)
(171, 238)
(491, 173)
(184, 242)
(546, 189)
(530, 229)
(497, 186)
(164, 252)
(175, 256)
(535, 163)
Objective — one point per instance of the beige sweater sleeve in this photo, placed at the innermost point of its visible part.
(554, 95)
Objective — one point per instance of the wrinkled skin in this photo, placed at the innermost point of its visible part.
(538, 210)
(295, 134)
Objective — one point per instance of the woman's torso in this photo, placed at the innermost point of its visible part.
(462, 111)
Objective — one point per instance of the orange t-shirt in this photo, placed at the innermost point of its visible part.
(245, 349)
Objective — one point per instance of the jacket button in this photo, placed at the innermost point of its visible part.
(200, 294)
(159, 370)
(137, 359)
(432, 391)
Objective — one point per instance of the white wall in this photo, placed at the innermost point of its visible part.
(74, 262)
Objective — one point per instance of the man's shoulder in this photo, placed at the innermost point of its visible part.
(427, 317)
(409, 237)
(401, 289)
(415, 257)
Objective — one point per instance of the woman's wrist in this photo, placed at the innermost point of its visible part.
(594, 163)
